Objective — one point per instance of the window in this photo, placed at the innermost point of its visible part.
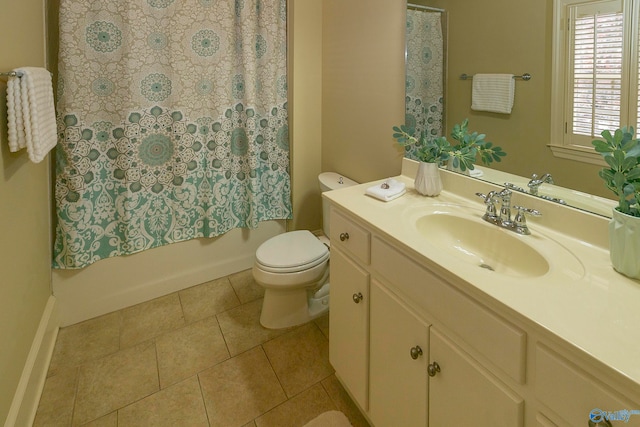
(596, 64)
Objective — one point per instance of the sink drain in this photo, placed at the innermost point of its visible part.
(486, 266)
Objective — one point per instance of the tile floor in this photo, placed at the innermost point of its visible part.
(197, 357)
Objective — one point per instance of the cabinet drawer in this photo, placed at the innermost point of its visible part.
(493, 337)
(349, 236)
(571, 392)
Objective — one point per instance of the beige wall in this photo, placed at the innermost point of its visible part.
(507, 36)
(305, 71)
(24, 208)
(362, 87)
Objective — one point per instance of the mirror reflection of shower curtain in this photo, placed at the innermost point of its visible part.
(425, 61)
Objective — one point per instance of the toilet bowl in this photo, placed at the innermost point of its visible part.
(293, 267)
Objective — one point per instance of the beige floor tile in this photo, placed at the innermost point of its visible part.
(343, 401)
(150, 319)
(246, 288)
(240, 389)
(57, 400)
(109, 420)
(186, 351)
(300, 358)
(115, 381)
(298, 410)
(89, 340)
(323, 324)
(242, 330)
(179, 405)
(207, 299)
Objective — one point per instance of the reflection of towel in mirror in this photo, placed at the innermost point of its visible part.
(379, 191)
(493, 92)
(31, 117)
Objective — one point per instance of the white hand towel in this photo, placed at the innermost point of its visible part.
(31, 116)
(493, 92)
(389, 190)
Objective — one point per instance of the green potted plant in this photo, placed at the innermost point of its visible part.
(469, 146)
(431, 153)
(621, 151)
(439, 151)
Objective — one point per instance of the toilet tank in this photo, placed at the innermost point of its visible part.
(331, 181)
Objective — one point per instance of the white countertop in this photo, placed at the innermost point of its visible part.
(582, 301)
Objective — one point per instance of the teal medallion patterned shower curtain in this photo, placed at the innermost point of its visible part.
(424, 100)
(172, 120)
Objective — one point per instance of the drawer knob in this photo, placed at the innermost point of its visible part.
(357, 297)
(415, 352)
(344, 236)
(433, 369)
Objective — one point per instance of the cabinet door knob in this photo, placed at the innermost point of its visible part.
(357, 297)
(415, 352)
(433, 369)
(344, 236)
(602, 423)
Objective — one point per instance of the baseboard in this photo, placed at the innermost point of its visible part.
(27, 396)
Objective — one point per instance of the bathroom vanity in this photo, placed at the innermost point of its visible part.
(541, 332)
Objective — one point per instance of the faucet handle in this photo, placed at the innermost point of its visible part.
(523, 210)
(536, 181)
(520, 220)
(489, 200)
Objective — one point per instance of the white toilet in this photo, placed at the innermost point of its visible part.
(293, 268)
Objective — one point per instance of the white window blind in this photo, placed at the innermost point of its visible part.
(596, 69)
(596, 74)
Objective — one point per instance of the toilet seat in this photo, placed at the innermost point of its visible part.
(291, 252)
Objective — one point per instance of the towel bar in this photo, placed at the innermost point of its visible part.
(525, 77)
(11, 74)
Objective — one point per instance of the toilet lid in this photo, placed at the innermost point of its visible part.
(292, 251)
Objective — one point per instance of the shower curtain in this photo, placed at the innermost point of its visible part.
(424, 100)
(172, 120)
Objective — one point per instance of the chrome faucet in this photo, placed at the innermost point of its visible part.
(536, 182)
(503, 220)
(505, 207)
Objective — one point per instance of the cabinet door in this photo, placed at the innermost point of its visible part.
(398, 375)
(463, 393)
(573, 393)
(349, 325)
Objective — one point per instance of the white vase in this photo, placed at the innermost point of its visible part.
(428, 181)
(624, 244)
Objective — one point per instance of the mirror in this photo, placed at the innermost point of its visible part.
(512, 37)
(425, 69)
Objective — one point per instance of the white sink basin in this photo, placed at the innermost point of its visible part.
(458, 234)
(483, 244)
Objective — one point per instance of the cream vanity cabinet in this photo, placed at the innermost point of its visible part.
(416, 374)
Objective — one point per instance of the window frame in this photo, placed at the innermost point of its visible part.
(560, 143)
